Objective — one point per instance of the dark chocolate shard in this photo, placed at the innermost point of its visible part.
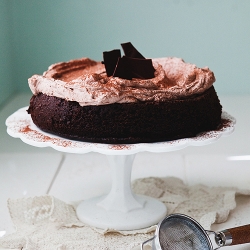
(132, 65)
(128, 68)
(140, 68)
(110, 59)
(131, 51)
(122, 69)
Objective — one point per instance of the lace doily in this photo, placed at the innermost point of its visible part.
(47, 223)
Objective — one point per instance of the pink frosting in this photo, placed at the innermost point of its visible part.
(86, 82)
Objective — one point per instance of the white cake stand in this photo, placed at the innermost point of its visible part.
(121, 209)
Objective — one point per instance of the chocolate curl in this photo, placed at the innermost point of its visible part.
(110, 59)
(131, 51)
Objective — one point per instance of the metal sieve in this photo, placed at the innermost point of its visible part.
(179, 231)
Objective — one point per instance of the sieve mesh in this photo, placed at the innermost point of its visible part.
(179, 232)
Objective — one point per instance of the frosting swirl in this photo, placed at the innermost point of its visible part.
(86, 82)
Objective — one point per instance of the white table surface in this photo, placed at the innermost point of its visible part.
(30, 171)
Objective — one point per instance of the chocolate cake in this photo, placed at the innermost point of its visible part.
(126, 99)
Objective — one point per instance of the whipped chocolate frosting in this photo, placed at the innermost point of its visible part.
(86, 82)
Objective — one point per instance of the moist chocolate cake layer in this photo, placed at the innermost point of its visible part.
(127, 122)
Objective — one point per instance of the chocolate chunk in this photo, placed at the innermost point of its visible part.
(128, 68)
(132, 65)
(122, 69)
(110, 59)
(131, 51)
(140, 68)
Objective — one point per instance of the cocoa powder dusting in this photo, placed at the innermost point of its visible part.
(120, 147)
(36, 135)
(224, 124)
(26, 129)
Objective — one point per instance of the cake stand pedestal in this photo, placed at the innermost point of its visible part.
(121, 209)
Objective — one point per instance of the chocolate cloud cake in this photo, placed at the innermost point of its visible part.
(125, 99)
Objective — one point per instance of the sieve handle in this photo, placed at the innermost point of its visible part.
(233, 236)
(240, 234)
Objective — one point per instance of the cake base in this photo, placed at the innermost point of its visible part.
(127, 123)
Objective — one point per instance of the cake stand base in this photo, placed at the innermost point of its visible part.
(121, 209)
(91, 213)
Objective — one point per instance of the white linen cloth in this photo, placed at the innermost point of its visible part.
(47, 223)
